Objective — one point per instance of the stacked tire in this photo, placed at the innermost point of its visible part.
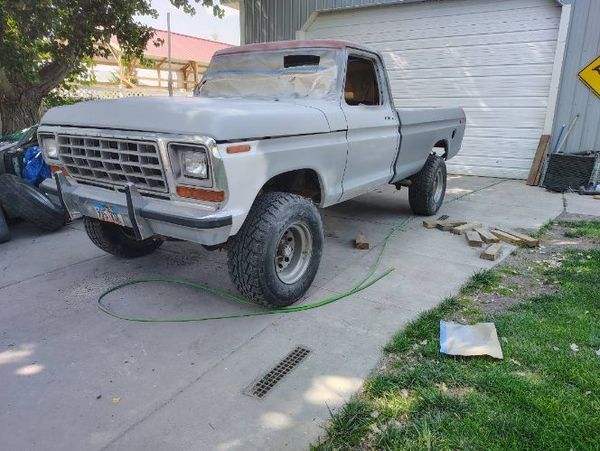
(4, 232)
(21, 200)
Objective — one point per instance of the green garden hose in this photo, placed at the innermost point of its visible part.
(366, 282)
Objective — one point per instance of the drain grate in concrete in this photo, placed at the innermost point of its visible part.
(287, 364)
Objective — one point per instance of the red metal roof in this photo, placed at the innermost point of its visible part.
(283, 45)
(184, 47)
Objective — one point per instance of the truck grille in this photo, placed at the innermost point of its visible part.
(113, 161)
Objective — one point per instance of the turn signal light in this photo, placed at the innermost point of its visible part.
(54, 169)
(200, 194)
(238, 149)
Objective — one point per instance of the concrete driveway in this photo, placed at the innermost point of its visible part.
(73, 377)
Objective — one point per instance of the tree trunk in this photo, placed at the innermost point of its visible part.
(19, 112)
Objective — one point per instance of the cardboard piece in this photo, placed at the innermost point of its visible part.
(478, 339)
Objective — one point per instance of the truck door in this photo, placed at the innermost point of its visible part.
(373, 128)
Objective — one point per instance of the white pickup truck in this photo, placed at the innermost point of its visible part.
(273, 131)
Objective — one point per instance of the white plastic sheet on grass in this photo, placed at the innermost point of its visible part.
(478, 339)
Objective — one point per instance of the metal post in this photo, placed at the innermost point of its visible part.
(170, 82)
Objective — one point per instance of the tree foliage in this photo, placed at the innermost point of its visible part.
(44, 41)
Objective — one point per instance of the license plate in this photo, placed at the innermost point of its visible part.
(109, 213)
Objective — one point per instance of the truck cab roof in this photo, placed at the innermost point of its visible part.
(293, 45)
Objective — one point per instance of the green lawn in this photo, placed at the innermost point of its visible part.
(543, 395)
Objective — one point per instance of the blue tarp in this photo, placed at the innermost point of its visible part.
(34, 168)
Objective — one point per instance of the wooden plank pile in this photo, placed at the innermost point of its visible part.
(478, 236)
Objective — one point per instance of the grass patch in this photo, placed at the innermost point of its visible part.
(542, 230)
(486, 280)
(543, 395)
(590, 229)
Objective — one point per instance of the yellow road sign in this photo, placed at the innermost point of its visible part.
(590, 75)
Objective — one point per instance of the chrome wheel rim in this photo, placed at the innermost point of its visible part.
(293, 254)
(438, 186)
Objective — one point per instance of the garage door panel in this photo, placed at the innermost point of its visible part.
(428, 12)
(483, 39)
(535, 86)
(388, 32)
(505, 162)
(462, 72)
(503, 147)
(490, 133)
(506, 117)
(488, 171)
(487, 55)
(493, 58)
(471, 102)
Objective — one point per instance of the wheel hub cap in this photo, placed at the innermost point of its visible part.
(438, 187)
(293, 253)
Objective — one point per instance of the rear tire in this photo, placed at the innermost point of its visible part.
(118, 240)
(428, 188)
(29, 203)
(275, 256)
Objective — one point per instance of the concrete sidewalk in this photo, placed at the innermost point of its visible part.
(75, 378)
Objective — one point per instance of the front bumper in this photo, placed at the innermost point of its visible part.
(146, 216)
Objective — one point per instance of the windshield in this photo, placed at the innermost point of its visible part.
(276, 74)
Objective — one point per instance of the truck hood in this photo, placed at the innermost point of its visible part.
(222, 119)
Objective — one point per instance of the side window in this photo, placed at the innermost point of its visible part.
(361, 86)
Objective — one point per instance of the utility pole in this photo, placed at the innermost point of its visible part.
(170, 82)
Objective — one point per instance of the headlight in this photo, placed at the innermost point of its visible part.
(195, 163)
(191, 163)
(49, 146)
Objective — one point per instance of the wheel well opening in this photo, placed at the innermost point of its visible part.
(441, 148)
(304, 182)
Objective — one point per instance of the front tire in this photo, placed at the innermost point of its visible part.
(118, 240)
(428, 188)
(275, 256)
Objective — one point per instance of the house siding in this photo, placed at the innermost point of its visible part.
(583, 45)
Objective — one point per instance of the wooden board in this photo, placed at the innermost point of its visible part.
(529, 241)
(486, 235)
(538, 161)
(459, 230)
(507, 237)
(361, 242)
(449, 224)
(492, 252)
(473, 238)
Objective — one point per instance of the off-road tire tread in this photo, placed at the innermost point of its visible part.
(420, 195)
(244, 263)
(108, 237)
(15, 198)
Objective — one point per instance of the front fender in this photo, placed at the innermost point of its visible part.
(247, 172)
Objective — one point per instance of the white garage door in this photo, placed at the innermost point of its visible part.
(493, 58)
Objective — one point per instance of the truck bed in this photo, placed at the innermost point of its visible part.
(422, 129)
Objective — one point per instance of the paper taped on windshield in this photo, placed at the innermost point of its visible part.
(272, 75)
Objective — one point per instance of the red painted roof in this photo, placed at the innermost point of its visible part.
(283, 45)
(183, 47)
